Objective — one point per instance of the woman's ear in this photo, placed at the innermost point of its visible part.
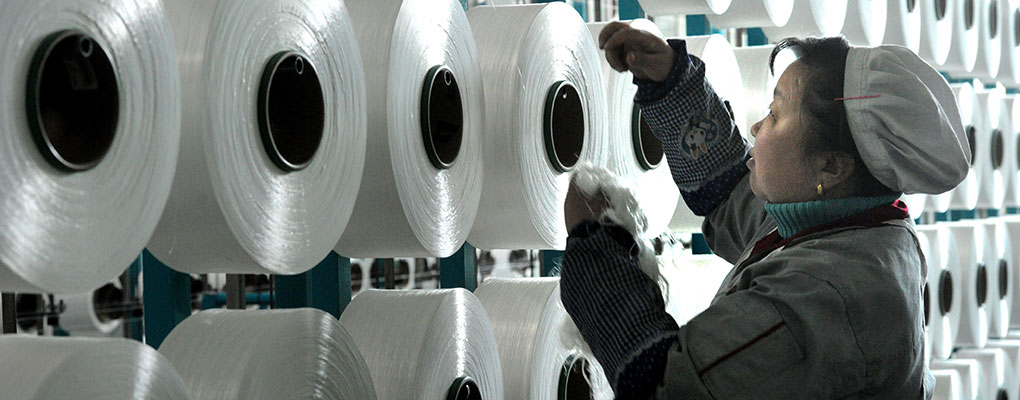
(835, 170)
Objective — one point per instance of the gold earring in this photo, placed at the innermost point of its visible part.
(820, 190)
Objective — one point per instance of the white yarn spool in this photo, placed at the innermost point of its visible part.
(645, 166)
(754, 13)
(969, 243)
(89, 313)
(419, 197)
(541, 352)
(947, 385)
(989, 151)
(1009, 64)
(667, 7)
(970, 375)
(759, 82)
(243, 203)
(1009, 125)
(1011, 349)
(965, 195)
(811, 18)
(39, 368)
(937, 19)
(993, 366)
(538, 61)
(418, 344)
(990, 35)
(267, 354)
(903, 24)
(943, 281)
(916, 203)
(963, 45)
(723, 73)
(1011, 230)
(75, 212)
(1001, 279)
(865, 21)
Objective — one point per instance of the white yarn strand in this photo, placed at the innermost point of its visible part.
(232, 208)
(66, 232)
(524, 51)
(267, 354)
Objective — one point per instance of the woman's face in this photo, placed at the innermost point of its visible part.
(780, 169)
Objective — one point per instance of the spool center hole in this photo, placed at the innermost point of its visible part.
(982, 284)
(574, 379)
(73, 101)
(564, 126)
(1002, 395)
(442, 117)
(968, 14)
(104, 301)
(998, 149)
(464, 388)
(1003, 278)
(1016, 27)
(292, 111)
(927, 304)
(945, 292)
(972, 142)
(29, 309)
(993, 19)
(911, 4)
(647, 147)
(940, 9)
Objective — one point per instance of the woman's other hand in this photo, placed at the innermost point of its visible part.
(642, 53)
(579, 207)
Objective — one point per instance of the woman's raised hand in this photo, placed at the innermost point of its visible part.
(642, 53)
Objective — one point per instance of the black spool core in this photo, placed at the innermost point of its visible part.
(927, 304)
(940, 9)
(945, 292)
(442, 117)
(564, 126)
(647, 147)
(993, 19)
(982, 284)
(574, 379)
(104, 300)
(1003, 278)
(968, 14)
(291, 111)
(26, 304)
(911, 4)
(998, 149)
(73, 102)
(464, 388)
(972, 142)
(1016, 27)
(1002, 395)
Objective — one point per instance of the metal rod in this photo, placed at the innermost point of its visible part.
(235, 292)
(9, 313)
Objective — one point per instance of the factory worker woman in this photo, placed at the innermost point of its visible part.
(825, 297)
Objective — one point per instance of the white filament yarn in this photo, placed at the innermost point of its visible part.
(988, 154)
(1011, 230)
(82, 318)
(524, 50)
(536, 337)
(990, 33)
(667, 7)
(993, 365)
(40, 368)
(929, 300)
(1011, 349)
(1009, 65)
(1001, 280)
(418, 342)
(754, 13)
(723, 73)
(937, 19)
(969, 242)
(656, 193)
(947, 385)
(970, 373)
(759, 81)
(231, 208)
(865, 21)
(963, 45)
(916, 203)
(811, 18)
(903, 24)
(1009, 126)
(965, 195)
(406, 207)
(267, 354)
(943, 270)
(71, 232)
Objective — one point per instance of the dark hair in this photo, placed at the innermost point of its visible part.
(823, 116)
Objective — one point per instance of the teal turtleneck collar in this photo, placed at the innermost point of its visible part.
(795, 217)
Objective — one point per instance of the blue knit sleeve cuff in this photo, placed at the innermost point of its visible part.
(650, 91)
(706, 198)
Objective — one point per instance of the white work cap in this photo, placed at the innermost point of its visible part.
(904, 120)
